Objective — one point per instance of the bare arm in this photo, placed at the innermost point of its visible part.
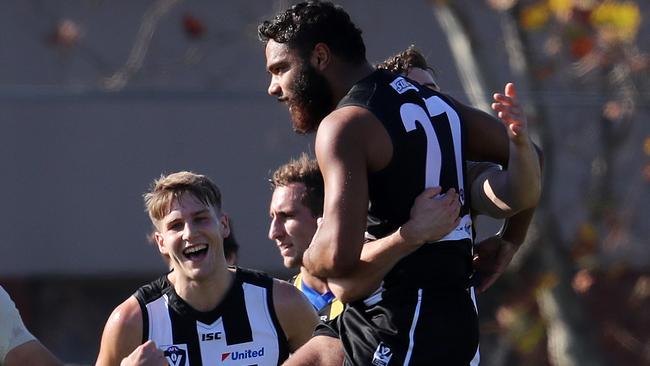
(31, 353)
(345, 156)
(296, 315)
(495, 253)
(122, 333)
(432, 217)
(520, 186)
(319, 351)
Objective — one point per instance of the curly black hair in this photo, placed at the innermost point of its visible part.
(308, 23)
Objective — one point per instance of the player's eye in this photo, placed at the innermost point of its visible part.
(176, 226)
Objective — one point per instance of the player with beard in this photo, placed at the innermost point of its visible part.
(381, 140)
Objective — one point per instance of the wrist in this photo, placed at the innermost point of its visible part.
(408, 237)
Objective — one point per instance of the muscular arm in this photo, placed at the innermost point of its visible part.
(432, 217)
(319, 351)
(495, 253)
(122, 333)
(295, 314)
(345, 155)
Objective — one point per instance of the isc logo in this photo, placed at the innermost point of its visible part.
(210, 336)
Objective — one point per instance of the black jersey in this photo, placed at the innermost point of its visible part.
(427, 136)
(423, 314)
(242, 330)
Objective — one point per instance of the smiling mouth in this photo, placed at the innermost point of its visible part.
(195, 251)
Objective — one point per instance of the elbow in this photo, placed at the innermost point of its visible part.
(527, 198)
(328, 265)
(347, 297)
(344, 292)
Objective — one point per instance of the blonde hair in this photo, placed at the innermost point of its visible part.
(168, 188)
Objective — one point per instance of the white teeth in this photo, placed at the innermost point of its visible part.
(194, 249)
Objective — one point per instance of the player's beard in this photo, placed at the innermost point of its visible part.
(311, 101)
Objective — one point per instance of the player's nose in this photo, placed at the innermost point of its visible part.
(275, 230)
(274, 88)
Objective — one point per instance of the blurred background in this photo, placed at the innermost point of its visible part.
(98, 98)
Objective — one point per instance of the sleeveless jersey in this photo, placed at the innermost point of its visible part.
(327, 312)
(242, 330)
(427, 135)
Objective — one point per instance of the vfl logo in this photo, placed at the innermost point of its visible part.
(402, 86)
(382, 355)
(176, 354)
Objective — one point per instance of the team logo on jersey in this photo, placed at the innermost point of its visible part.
(382, 355)
(402, 86)
(175, 354)
(242, 355)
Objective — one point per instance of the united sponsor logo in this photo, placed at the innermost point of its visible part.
(382, 355)
(175, 354)
(401, 85)
(242, 355)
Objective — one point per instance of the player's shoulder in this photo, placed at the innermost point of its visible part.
(290, 303)
(152, 290)
(349, 122)
(127, 316)
(123, 332)
(254, 277)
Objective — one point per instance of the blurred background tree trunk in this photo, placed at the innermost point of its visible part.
(570, 333)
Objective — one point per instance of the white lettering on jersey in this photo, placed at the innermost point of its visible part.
(401, 85)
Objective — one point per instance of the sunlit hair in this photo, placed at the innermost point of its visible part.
(303, 170)
(308, 23)
(402, 62)
(168, 188)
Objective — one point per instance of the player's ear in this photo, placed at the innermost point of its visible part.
(321, 56)
(225, 225)
(160, 243)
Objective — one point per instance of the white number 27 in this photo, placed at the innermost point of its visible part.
(412, 113)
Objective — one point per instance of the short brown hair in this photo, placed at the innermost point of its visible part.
(303, 170)
(168, 188)
(402, 62)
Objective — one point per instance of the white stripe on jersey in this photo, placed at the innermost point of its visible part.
(160, 325)
(416, 315)
(477, 356)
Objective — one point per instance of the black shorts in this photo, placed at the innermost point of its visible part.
(408, 327)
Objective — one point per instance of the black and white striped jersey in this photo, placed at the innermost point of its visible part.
(242, 330)
(427, 136)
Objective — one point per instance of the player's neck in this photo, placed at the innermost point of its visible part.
(204, 294)
(314, 283)
(344, 76)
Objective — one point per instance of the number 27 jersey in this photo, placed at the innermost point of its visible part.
(427, 136)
